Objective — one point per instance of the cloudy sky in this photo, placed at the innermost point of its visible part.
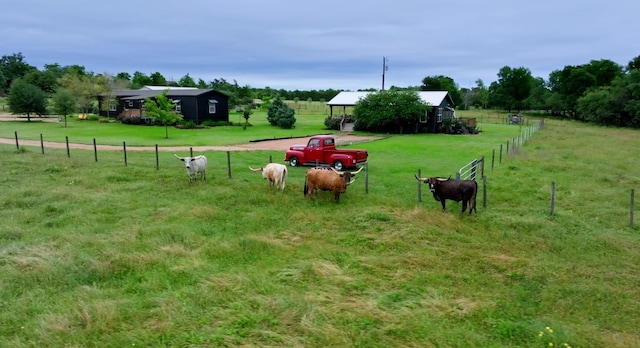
(321, 44)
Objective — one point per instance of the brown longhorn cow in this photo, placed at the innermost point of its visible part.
(328, 179)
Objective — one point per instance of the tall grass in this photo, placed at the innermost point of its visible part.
(99, 254)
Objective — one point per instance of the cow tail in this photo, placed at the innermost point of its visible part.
(306, 186)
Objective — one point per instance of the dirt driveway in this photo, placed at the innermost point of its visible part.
(276, 145)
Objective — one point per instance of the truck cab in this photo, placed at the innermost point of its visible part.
(321, 150)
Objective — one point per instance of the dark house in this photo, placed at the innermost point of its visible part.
(197, 105)
(440, 102)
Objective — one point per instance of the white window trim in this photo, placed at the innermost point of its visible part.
(178, 105)
(212, 106)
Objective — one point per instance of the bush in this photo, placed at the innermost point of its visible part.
(332, 123)
(135, 120)
(187, 124)
(281, 115)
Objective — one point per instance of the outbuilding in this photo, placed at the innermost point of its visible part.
(197, 105)
(442, 106)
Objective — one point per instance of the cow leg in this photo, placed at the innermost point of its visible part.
(464, 206)
(443, 204)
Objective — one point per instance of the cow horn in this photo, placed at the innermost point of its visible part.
(352, 181)
(420, 179)
(442, 179)
(337, 171)
(357, 171)
(256, 170)
(178, 157)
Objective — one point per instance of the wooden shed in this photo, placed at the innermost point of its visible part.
(197, 105)
(442, 106)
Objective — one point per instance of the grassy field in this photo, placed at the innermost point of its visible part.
(96, 254)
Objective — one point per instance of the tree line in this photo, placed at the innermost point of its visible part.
(600, 91)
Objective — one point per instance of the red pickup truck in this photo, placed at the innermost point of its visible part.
(321, 149)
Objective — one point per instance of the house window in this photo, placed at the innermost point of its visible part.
(212, 106)
(130, 103)
(178, 106)
(142, 105)
(439, 118)
(113, 107)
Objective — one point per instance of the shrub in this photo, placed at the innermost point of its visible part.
(332, 123)
(135, 120)
(187, 124)
(281, 115)
(212, 123)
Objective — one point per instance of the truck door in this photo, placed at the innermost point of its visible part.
(314, 151)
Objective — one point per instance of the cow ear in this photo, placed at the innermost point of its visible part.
(193, 159)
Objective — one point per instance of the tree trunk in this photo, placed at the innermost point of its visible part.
(166, 131)
(28, 117)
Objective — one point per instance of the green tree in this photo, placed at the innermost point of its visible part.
(634, 64)
(569, 84)
(186, 81)
(443, 83)
(157, 79)
(389, 111)
(13, 67)
(280, 114)
(45, 80)
(85, 87)
(64, 103)
(25, 98)
(604, 71)
(140, 80)
(162, 109)
(512, 88)
(480, 95)
(538, 96)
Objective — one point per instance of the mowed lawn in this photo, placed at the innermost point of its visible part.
(97, 254)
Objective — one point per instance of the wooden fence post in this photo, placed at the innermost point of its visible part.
(95, 150)
(66, 138)
(553, 197)
(229, 163)
(157, 159)
(366, 178)
(124, 148)
(493, 158)
(484, 192)
(419, 187)
(631, 209)
(17, 145)
(41, 144)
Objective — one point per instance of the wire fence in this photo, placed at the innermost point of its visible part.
(476, 168)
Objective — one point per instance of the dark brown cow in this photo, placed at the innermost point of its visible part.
(455, 190)
(328, 179)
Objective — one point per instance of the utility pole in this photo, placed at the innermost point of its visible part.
(385, 67)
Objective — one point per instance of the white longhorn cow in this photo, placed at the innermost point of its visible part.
(276, 173)
(194, 166)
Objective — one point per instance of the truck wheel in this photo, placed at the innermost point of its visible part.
(338, 165)
(294, 162)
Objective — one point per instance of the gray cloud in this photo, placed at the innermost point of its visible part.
(328, 44)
